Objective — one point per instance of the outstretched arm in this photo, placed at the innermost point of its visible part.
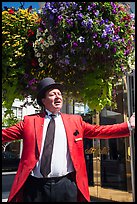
(12, 133)
(107, 131)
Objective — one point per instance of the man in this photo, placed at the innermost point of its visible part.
(62, 178)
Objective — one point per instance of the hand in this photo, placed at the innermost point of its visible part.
(132, 121)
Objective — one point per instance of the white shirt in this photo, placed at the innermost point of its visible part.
(61, 163)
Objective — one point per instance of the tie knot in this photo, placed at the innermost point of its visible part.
(52, 115)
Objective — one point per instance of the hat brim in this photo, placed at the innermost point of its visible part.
(42, 92)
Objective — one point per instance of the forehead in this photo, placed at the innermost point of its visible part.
(53, 91)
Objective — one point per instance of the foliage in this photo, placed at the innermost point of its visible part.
(83, 45)
(9, 119)
(18, 32)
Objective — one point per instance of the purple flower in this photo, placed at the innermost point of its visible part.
(114, 49)
(114, 11)
(115, 38)
(68, 36)
(89, 8)
(64, 45)
(96, 13)
(109, 29)
(74, 5)
(47, 5)
(80, 16)
(60, 17)
(104, 34)
(132, 15)
(75, 44)
(98, 44)
(89, 23)
(106, 45)
(54, 11)
(67, 61)
(40, 29)
(67, 4)
(32, 81)
(126, 52)
(94, 35)
(102, 22)
(84, 23)
(69, 21)
(93, 5)
(51, 17)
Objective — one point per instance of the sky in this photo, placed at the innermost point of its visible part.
(36, 5)
(16, 5)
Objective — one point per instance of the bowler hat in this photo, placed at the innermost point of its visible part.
(44, 85)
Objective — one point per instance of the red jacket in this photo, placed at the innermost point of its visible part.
(31, 129)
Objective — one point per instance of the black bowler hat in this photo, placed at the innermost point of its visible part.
(44, 85)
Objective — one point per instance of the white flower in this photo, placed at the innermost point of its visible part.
(38, 54)
(39, 60)
(44, 43)
(51, 43)
(41, 64)
(50, 56)
(46, 30)
(49, 37)
(47, 45)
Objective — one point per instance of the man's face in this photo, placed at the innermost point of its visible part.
(53, 100)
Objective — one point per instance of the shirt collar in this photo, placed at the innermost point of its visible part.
(48, 113)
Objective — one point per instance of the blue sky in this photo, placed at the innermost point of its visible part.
(16, 5)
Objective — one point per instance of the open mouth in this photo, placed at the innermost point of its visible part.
(57, 103)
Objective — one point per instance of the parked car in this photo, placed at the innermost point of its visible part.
(10, 161)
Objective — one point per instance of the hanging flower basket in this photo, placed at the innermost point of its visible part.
(85, 45)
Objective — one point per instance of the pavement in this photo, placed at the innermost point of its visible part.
(5, 196)
(7, 180)
(100, 194)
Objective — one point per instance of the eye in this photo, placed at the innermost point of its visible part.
(59, 93)
(52, 94)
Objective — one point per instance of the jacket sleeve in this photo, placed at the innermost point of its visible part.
(14, 132)
(105, 131)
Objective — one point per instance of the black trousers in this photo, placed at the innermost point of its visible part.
(62, 189)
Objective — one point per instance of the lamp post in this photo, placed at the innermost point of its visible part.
(131, 109)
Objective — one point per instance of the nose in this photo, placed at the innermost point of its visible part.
(57, 96)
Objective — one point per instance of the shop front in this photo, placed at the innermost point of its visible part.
(109, 170)
(113, 160)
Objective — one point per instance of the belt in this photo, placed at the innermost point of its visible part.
(34, 179)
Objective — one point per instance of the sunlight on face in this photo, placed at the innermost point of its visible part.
(53, 100)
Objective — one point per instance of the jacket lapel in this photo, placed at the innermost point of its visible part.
(38, 126)
(39, 123)
(67, 121)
